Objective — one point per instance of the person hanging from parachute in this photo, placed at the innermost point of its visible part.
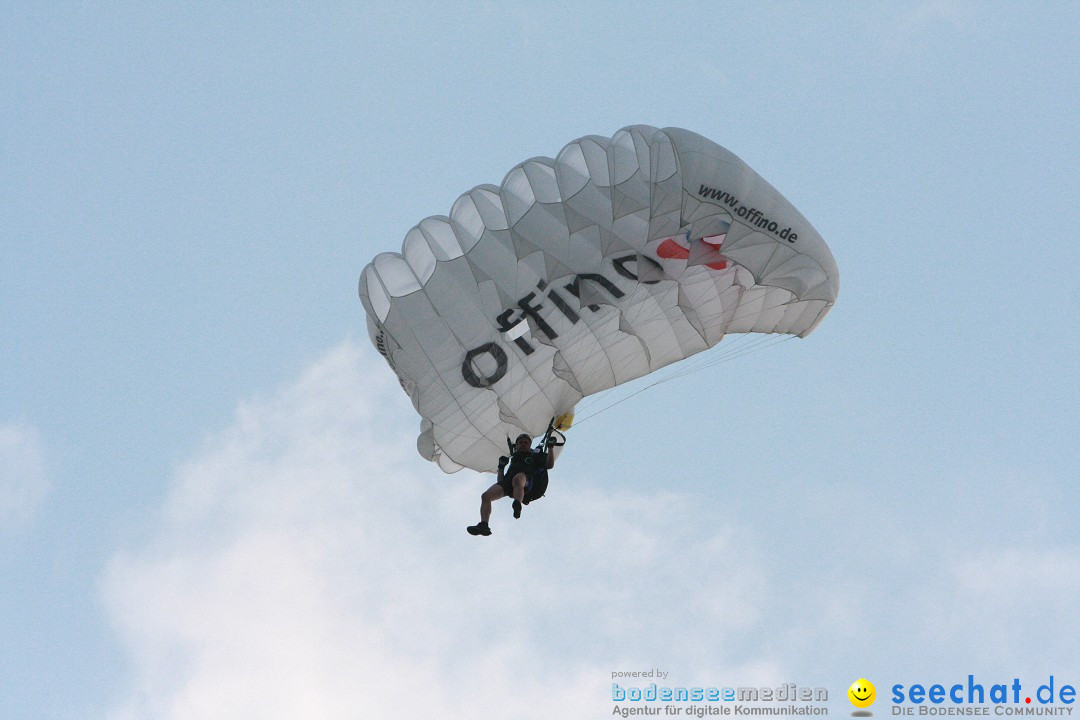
(522, 475)
(616, 258)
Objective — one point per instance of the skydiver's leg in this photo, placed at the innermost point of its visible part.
(492, 493)
(519, 492)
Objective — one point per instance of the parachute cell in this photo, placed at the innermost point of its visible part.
(618, 257)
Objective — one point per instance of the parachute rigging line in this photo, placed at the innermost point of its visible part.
(745, 349)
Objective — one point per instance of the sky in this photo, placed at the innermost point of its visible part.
(210, 501)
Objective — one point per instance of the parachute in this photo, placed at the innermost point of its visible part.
(616, 258)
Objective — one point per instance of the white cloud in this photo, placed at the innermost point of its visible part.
(23, 480)
(1017, 606)
(309, 564)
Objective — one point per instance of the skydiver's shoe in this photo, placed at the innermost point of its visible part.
(480, 528)
(517, 509)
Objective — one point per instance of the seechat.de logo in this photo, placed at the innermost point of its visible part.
(862, 695)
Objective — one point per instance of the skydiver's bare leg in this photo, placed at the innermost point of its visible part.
(492, 493)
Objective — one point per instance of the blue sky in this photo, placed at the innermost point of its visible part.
(210, 504)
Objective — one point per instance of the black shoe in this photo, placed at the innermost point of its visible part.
(480, 528)
(517, 509)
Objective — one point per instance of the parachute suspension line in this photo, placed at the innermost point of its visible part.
(733, 345)
(741, 344)
(745, 349)
(604, 396)
(731, 354)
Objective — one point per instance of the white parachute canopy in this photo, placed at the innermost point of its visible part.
(618, 257)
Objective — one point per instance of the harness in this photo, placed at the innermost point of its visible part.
(538, 484)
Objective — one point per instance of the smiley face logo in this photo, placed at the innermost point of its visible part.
(862, 693)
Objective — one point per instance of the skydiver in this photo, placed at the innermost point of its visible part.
(516, 478)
